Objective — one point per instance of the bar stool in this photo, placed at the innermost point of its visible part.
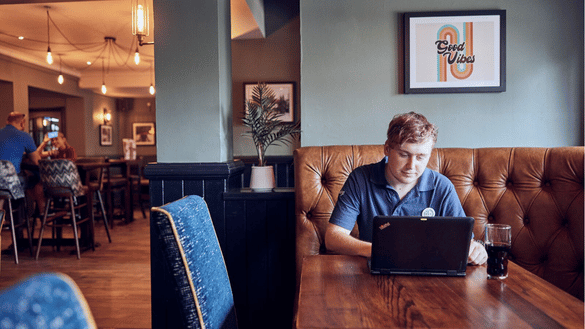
(61, 180)
(10, 189)
(94, 180)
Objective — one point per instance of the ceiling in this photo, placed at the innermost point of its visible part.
(78, 31)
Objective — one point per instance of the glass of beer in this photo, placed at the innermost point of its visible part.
(498, 241)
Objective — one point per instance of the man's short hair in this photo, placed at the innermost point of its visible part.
(15, 118)
(410, 128)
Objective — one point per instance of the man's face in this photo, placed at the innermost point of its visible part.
(407, 162)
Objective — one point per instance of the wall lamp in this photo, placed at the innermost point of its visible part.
(107, 116)
(140, 21)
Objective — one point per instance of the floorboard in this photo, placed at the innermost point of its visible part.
(115, 278)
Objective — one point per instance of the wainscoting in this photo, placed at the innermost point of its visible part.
(255, 231)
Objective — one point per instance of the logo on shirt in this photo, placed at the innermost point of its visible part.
(428, 212)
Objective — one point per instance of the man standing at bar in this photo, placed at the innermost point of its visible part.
(399, 185)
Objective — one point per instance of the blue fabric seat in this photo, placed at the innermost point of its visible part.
(46, 300)
(193, 254)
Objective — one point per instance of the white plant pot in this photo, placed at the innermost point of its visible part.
(262, 179)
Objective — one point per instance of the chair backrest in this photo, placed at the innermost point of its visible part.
(60, 175)
(9, 182)
(49, 298)
(193, 255)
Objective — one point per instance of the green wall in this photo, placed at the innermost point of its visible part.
(351, 71)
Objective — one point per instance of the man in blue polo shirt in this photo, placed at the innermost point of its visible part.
(14, 143)
(399, 185)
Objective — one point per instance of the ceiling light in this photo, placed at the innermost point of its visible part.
(151, 89)
(104, 90)
(21, 38)
(60, 79)
(140, 21)
(49, 56)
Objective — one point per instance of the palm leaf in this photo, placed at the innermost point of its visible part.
(263, 122)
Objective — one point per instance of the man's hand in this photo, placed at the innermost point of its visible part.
(477, 253)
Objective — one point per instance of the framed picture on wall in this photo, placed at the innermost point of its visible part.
(284, 93)
(144, 133)
(455, 52)
(105, 135)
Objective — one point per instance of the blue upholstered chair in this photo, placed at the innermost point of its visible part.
(11, 190)
(46, 300)
(193, 254)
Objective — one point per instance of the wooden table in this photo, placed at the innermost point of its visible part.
(339, 292)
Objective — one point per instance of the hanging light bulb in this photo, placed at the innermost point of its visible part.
(151, 89)
(49, 55)
(60, 79)
(136, 57)
(104, 89)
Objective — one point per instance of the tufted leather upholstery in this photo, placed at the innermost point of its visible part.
(538, 191)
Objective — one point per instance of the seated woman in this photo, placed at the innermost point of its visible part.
(62, 149)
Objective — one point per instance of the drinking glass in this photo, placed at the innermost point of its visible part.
(498, 241)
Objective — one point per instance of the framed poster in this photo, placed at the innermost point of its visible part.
(285, 95)
(144, 133)
(105, 135)
(455, 52)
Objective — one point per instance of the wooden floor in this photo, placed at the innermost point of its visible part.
(115, 278)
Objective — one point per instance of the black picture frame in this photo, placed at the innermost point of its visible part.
(106, 137)
(474, 63)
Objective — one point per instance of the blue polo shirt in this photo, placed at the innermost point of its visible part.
(13, 144)
(366, 194)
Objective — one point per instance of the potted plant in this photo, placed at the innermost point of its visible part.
(262, 118)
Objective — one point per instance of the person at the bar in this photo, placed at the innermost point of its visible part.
(400, 185)
(61, 150)
(14, 144)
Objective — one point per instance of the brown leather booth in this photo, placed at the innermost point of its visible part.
(538, 191)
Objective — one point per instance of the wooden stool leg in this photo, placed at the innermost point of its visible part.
(74, 227)
(104, 217)
(13, 231)
(43, 227)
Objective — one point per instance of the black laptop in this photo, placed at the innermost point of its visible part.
(420, 245)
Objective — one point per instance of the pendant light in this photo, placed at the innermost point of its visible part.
(151, 89)
(49, 55)
(136, 56)
(104, 90)
(60, 79)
